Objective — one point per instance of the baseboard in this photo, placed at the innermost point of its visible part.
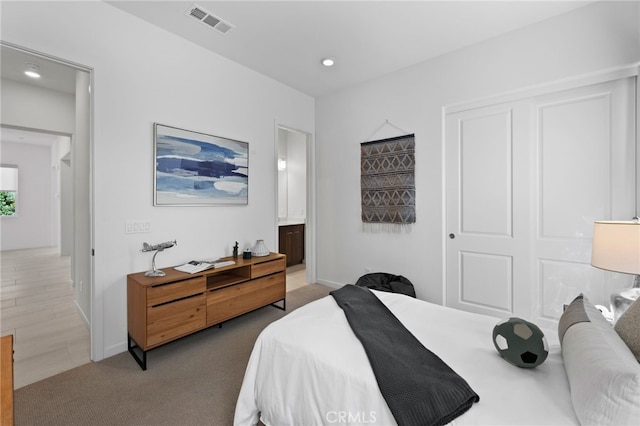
(330, 283)
(111, 350)
(115, 349)
(83, 317)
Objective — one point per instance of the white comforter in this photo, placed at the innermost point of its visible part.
(308, 369)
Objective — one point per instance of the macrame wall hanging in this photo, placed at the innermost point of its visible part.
(387, 183)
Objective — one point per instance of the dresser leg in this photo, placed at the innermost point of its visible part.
(284, 304)
(140, 359)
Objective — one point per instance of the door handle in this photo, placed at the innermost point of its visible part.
(452, 236)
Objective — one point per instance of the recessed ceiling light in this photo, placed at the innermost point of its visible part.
(328, 62)
(32, 70)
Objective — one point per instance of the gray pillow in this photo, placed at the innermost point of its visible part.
(628, 328)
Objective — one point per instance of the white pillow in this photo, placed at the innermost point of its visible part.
(604, 376)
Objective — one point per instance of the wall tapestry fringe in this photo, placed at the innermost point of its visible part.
(390, 228)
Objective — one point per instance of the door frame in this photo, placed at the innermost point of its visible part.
(519, 94)
(310, 219)
(96, 318)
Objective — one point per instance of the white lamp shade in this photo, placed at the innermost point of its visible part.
(616, 246)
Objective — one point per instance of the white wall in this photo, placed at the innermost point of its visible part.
(66, 208)
(292, 181)
(23, 232)
(283, 193)
(81, 181)
(58, 148)
(297, 175)
(34, 107)
(589, 39)
(32, 226)
(143, 75)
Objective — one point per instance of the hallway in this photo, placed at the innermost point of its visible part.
(37, 307)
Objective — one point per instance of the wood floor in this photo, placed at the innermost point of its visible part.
(296, 276)
(37, 306)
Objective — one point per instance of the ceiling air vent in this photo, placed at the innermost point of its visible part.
(210, 20)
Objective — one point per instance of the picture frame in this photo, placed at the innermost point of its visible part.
(198, 169)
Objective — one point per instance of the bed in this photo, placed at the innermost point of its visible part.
(308, 368)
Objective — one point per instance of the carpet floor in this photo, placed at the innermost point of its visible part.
(192, 381)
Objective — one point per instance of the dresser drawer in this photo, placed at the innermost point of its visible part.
(267, 268)
(167, 292)
(229, 302)
(172, 320)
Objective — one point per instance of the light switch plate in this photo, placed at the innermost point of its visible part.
(137, 226)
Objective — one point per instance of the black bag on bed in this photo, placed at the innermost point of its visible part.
(387, 282)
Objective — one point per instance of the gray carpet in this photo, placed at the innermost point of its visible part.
(192, 381)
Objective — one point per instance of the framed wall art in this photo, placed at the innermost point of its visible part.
(197, 169)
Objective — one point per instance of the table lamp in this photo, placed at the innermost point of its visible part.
(616, 247)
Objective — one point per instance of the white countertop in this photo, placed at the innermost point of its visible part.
(291, 221)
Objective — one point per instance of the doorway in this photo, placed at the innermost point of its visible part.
(294, 180)
(58, 103)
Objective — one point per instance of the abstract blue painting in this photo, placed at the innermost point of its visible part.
(195, 169)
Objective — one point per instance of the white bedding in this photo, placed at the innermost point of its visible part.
(308, 368)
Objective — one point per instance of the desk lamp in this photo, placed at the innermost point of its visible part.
(616, 247)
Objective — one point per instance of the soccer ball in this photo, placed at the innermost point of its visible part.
(520, 342)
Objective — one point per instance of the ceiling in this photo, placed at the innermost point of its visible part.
(286, 40)
(54, 75)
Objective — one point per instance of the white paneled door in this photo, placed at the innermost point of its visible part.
(525, 180)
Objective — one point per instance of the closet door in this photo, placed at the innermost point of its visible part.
(585, 171)
(525, 180)
(488, 181)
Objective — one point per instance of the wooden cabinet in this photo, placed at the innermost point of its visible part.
(291, 243)
(163, 309)
(6, 380)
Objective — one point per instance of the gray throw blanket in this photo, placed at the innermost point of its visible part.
(419, 388)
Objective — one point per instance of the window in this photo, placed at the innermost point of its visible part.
(8, 190)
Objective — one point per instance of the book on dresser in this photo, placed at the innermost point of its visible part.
(195, 266)
(163, 309)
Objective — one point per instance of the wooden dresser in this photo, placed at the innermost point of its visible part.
(162, 309)
(6, 380)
